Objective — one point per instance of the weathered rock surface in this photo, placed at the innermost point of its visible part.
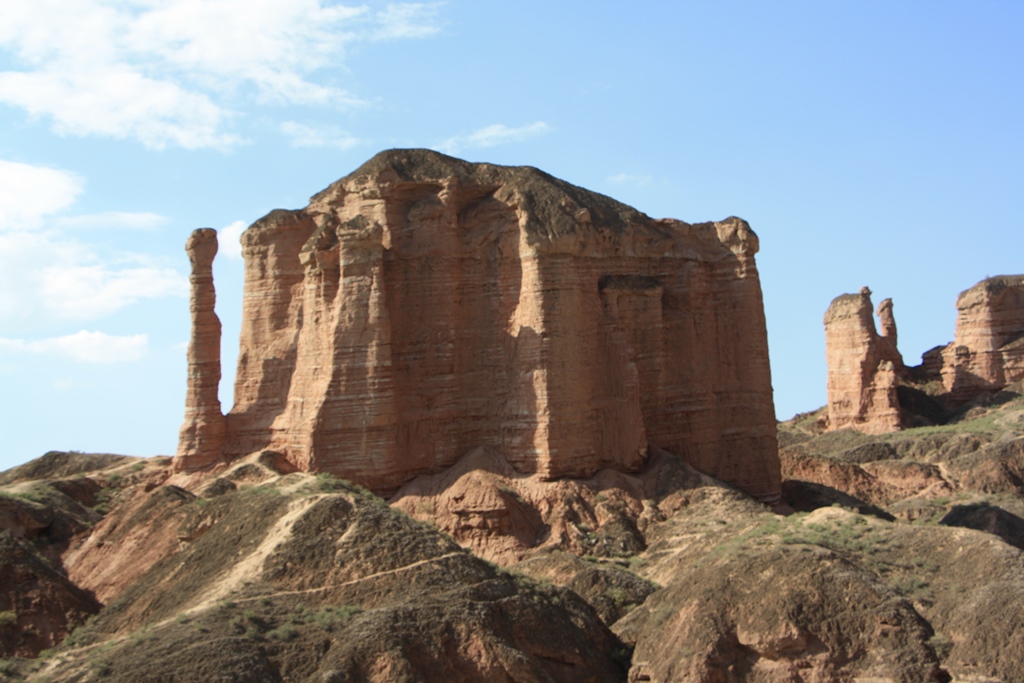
(750, 596)
(423, 307)
(39, 606)
(988, 350)
(202, 435)
(862, 365)
(309, 579)
(504, 516)
(869, 388)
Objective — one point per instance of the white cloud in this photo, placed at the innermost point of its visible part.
(84, 346)
(407, 21)
(28, 193)
(45, 273)
(321, 136)
(492, 136)
(121, 220)
(228, 239)
(116, 101)
(85, 292)
(169, 73)
(627, 178)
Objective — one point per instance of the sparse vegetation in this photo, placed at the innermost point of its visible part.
(285, 632)
(329, 616)
(100, 666)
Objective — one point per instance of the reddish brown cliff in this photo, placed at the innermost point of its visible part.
(862, 365)
(988, 350)
(202, 434)
(424, 306)
(866, 376)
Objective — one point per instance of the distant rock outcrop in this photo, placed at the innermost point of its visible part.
(862, 365)
(424, 306)
(988, 350)
(869, 388)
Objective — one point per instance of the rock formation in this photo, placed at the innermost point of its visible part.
(988, 350)
(424, 306)
(202, 434)
(862, 365)
(870, 389)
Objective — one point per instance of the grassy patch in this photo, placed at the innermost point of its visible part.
(329, 616)
(284, 632)
(100, 667)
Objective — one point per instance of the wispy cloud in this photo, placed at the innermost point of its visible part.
(120, 220)
(630, 179)
(87, 292)
(228, 240)
(302, 135)
(47, 273)
(84, 346)
(492, 136)
(30, 193)
(171, 73)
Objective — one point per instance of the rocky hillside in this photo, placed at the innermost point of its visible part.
(893, 558)
(260, 576)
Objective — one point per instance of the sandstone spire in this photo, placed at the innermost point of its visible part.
(886, 321)
(862, 365)
(202, 434)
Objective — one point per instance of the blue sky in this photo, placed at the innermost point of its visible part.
(867, 143)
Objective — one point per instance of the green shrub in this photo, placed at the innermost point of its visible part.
(100, 666)
(330, 616)
(283, 632)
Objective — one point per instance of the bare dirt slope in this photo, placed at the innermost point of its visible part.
(307, 578)
(894, 558)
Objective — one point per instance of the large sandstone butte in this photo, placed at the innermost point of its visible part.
(866, 374)
(424, 306)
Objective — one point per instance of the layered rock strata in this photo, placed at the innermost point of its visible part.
(424, 306)
(202, 434)
(866, 375)
(862, 365)
(987, 352)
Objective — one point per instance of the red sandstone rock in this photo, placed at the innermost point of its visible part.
(202, 435)
(988, 350)
(424, 306)
(862, 365)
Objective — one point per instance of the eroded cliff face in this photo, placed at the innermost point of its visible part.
(867, 379)
(424, 306)
(988, 350)
(862, 365)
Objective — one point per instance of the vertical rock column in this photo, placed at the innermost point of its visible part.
(862, 366)
(201, 439)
